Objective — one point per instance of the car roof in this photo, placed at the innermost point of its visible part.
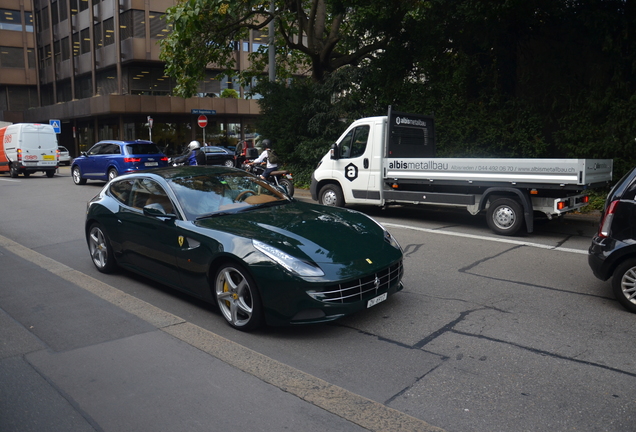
(214, 148)
(120, 142)
(170, 173)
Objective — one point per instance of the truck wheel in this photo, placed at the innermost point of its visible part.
(50, 173)
(505, 216)
(624, 284)
(13, 171)
(77, 176)
(331, 195)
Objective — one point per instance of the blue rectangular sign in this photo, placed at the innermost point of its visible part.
(57, 126)
(203, 111)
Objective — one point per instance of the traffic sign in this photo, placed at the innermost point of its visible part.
(57, 126)
(203, 121)
(150, 121)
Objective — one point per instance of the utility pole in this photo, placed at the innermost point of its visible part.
(272, 47)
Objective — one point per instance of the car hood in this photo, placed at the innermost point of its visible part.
(324, 235)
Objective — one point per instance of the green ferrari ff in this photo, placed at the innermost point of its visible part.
(233, 239)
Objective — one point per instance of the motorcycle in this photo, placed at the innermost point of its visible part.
(281, 178)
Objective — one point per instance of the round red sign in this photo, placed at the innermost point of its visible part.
(203, 121)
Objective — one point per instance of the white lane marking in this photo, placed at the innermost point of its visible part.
(492, 239)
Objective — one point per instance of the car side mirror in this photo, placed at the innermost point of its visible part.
(156, 210)
(335, 153)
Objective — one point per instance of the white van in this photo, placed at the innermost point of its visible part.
(26, 148)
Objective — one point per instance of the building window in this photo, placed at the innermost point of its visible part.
(97, 35)
(22, 98)
(83, 5)
(83, 88)
(66, 49)
(259, 38)
(11, 57)
(74, 7)
(57, 53)
(109, 31)
(55, 18)
(44, 15)
(85, 41)
(158, 27)
(31, 58)
(63, 10)
(132, 23)
(45, 56)
(76, 44)
(28, 16)
(10, 20)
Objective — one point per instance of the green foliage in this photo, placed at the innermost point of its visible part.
(229, 93)
(514, 78)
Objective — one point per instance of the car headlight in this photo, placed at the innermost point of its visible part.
(387, 236)
(289, 262)
(391, 240)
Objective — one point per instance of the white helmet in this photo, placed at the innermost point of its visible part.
(194, 145)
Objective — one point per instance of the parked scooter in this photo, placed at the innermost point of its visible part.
(279, 177)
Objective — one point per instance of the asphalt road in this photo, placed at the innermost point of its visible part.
(490, 334)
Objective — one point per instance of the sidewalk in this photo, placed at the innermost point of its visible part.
(79, 355)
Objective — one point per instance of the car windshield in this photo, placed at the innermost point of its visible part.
(208, 195)
(142, 149)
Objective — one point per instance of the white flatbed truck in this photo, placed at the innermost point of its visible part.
(391, 159)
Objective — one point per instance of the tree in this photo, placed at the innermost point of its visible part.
(314, 37)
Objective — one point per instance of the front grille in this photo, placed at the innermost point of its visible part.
(362, 288)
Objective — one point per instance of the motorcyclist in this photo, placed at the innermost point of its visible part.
(269, 155)
(196, 157)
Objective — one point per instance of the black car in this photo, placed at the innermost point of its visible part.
(613, 250)
(218, 156)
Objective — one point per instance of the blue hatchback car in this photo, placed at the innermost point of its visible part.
(108, 159)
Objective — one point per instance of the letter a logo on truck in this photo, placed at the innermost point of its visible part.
(351, 172)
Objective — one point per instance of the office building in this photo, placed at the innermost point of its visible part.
(94, 66)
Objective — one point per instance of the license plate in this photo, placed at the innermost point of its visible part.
(48, 157)
(152, 163)
(374, 301)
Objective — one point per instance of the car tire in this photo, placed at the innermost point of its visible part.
(624, 284)
(76, 173)
(331, 195)
(112, 173)
(505, 216)
(13, 171)
(50, 173)
(229, 163)
(237, 297)
(100, 249)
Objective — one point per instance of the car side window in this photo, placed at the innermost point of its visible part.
(121, 190)
(113, 149)
(147, 191)
(354, 143)
(95, 150)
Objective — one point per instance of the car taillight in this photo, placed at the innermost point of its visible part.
(606, 223)
(164, 159)
(57, 154)
(132, 159)
(19, 155)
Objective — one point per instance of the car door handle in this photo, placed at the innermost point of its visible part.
(366, 163)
